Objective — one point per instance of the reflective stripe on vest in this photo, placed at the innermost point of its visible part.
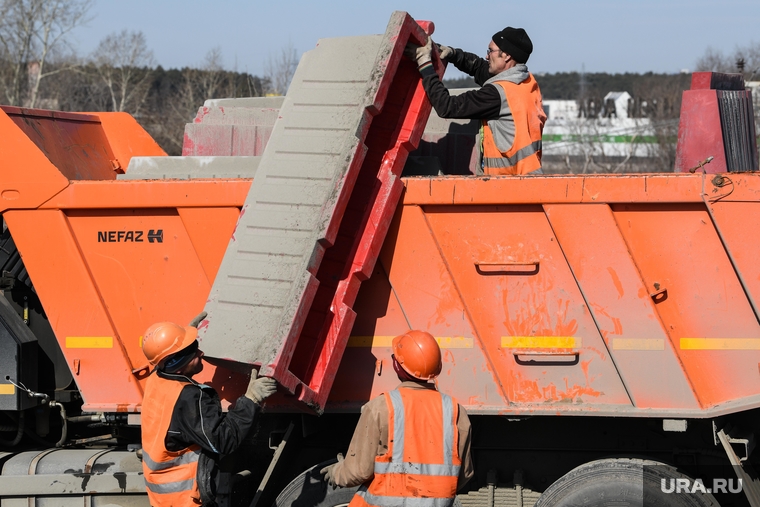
(185, 459)
(404, 480)
(512, 142)
(402, 501)
(171, 487)
(398, 427)
(416, 469)
(514, 159)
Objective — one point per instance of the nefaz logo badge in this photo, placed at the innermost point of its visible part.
(154, 236)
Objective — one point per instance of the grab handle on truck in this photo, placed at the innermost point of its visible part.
(547, 358)
(507, 268)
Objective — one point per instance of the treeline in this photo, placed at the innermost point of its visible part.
(39, 68)
(164, 101)
(575, 86)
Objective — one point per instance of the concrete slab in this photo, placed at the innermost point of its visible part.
(318, 210)
(227, 115)
(232, 127)
(188, 168)
(207, 140)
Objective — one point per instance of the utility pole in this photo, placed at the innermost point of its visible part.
(582, 111)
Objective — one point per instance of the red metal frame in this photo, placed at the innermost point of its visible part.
(402, 119)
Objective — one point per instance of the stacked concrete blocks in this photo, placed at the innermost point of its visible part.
(231, 127)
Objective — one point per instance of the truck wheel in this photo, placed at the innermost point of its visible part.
(623, 483)
(310, 490)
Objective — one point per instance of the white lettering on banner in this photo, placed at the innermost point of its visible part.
(684, 485)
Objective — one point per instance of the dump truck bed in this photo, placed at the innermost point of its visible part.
(605, 295)
(623, 295)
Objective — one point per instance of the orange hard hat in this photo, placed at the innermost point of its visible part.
(163, 339)
(418, 354)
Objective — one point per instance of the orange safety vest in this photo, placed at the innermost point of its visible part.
(422, 464)
(170, 477)
(524, 155)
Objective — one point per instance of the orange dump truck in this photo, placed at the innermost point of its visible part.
(602, 331)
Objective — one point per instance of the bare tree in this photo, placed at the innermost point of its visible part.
(208, 81)
(280, 68)
(713, 60)
(200, 83)
(31, 32)
(716, 61)
(123, 62)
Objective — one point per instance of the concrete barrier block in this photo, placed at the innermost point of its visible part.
(188, 168)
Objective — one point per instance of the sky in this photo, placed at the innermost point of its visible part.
(612, 36)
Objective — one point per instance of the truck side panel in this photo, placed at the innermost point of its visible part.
(104, 275)
(704, 306)
(584, 295)
(644, 355)
(98, 360)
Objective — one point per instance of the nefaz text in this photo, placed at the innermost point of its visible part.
(153, 236)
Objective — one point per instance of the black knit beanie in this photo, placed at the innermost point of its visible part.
(515, 42)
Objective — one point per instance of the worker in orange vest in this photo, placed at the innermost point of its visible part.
(508, 102)
(412, 443)
(184, 431)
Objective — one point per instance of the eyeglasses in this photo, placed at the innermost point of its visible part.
(489, 51)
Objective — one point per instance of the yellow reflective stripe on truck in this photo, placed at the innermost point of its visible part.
(541, 342)
(571, 342)
(89, 342)
(720, 343)
(7, 389)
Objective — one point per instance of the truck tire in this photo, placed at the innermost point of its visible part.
(619, 482)
(310, 490)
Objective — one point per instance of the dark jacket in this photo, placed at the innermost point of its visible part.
(481, 104)
(198, 419)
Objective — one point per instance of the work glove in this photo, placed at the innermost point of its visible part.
(445, 52)
(420, 54)
(259, 389)
(327, 471)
